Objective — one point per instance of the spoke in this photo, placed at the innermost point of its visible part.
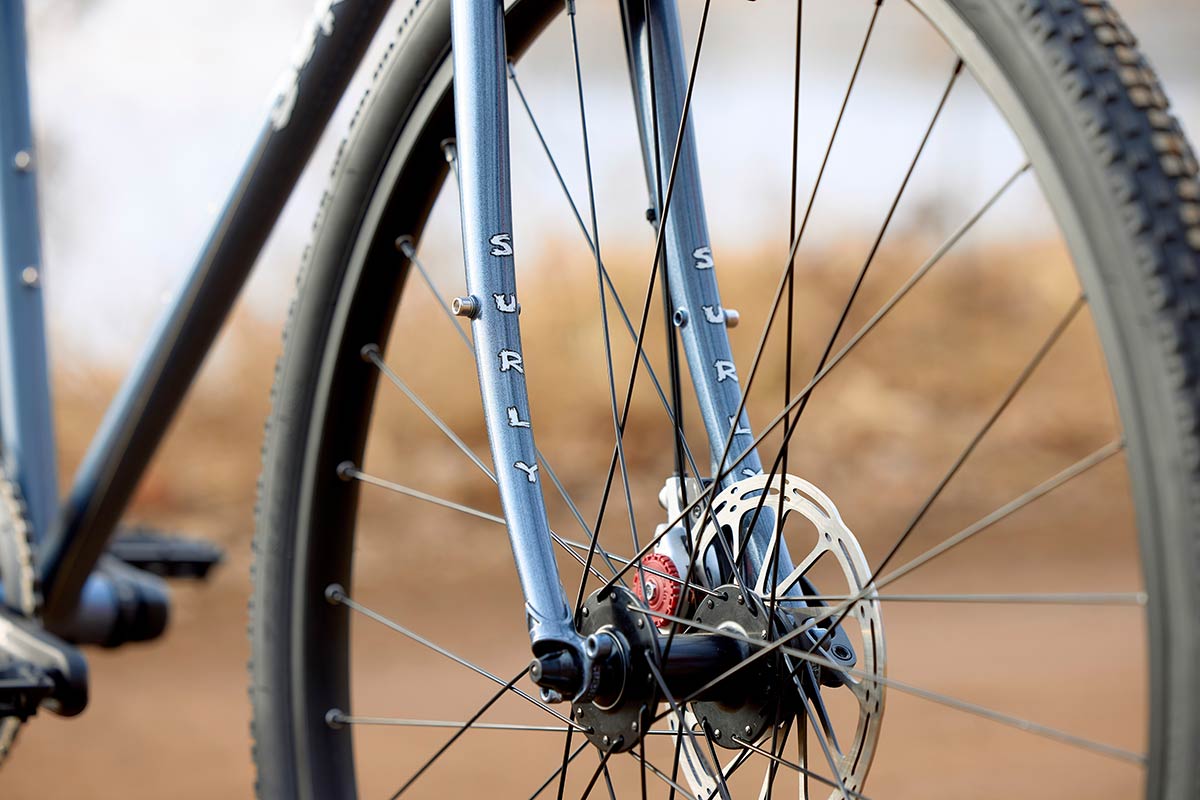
(675, 787)
(1013, 390)
(778, 743)
(608, 784)
(339, 718)
(458, 734)
(811, 706)
(781, 458)
(405, 245)
(347, 471)
(733, 766)
(1136, 599)
(596, 775)
(889, 306)
(933, 260)
(983, 430)
(642, 759)
(567, 760)
(789, 336)
(617, 417)
(883, 229)
(337, 595)
(789, 266)
(900, 686)
(686, 728)
(612, 289)
(1041, 490)
(659, 243)
(671, 335)
(779, 761)
(371, 353)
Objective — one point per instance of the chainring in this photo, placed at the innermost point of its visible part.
(21, 591)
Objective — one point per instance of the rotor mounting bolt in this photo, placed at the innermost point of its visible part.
(711, 604)
(465, 307)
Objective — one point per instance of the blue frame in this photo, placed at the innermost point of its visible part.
(26, 423)
(72, 537)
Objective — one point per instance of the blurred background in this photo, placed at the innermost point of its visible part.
(143, 113)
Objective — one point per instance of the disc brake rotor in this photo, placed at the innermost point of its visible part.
(827, 537)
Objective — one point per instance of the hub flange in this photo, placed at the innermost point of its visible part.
(622, 640)
(748, 702)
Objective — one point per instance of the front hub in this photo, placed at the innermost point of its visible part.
(748, 702)
(620, 642)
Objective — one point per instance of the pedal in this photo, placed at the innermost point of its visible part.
(37, 669)
(165, 555)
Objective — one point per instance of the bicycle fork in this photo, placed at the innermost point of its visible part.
(568, 662)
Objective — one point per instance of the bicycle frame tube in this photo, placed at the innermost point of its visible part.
(135, 423)
(481, 129)
(659, 95)
(26, 424)
(481, 114)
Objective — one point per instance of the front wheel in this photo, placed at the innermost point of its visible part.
(983, 453)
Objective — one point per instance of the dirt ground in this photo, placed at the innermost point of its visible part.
(171, 718)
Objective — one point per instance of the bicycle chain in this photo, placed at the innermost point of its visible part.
(21, 591)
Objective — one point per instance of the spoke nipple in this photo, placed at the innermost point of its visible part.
(369, 352)
(31, 277)
(465, 307)
(335, 718)
(346, 470)
(732, 318)
(449, 150)
(335, 593)
(23, 161)
(651, 214)
(405, 245)
(680, 317)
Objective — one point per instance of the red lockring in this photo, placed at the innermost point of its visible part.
(660, 594)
